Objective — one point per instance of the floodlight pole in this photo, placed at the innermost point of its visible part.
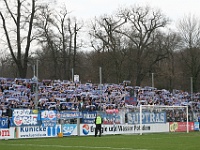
(36, 89)
(34, 70)
(152, 79)
(140, 119)
(100, 75)
(100, 82)
(187, 119)
(72, 74)
(191, 83)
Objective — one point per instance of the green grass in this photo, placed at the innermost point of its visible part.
(164, 141)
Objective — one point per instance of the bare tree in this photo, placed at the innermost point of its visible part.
(46, 37)
(144, 23)
(67, 34)
(59, 37)
(110, 43)
(167, 72)
(21, 30)
(189, 29)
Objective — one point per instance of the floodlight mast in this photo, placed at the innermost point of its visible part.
(100, 83)
(140, 119)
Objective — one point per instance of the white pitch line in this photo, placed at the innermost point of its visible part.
(65, 146)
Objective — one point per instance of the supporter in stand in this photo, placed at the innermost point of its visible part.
(83, 96)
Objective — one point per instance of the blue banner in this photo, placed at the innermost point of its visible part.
(69, 114)
(4, 122)
(53, 131)
(130, 100)
(88, 117)
(110, 118)
(25, 117)
(196, 126)
(147, 118)
(67, 129)
(48, 118)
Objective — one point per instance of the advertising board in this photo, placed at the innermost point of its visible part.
(7, 133)
(181, 126)
(89, 129)
(69, 129)
(37, 131)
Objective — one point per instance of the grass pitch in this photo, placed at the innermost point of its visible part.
(161, 141)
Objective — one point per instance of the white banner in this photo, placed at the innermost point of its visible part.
(85, 130)
(8, 133)
(89, 129)
(37, 131)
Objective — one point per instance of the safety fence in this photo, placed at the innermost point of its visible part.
(28, 123)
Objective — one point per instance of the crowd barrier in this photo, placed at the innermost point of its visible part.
(27, 123)
(89, 129)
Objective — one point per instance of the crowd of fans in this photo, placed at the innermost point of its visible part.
(66, 95)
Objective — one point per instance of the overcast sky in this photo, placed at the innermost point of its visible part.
(84, 10)
(88, 9)
(173, 9)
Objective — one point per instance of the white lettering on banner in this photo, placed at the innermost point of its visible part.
(31, 119)
(24, 117)
(66, 114)
(48, 114)
(89, 121)
(156, 117)
(21, 112)
(68, 129)
(48, 123)
(134, 118)
(4, 133)
(87, 115)
(4, 122)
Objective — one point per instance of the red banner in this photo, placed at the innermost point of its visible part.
(112, 111)
(181, 126)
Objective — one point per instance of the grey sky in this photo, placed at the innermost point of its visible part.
(174, 9)
(88, 9)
